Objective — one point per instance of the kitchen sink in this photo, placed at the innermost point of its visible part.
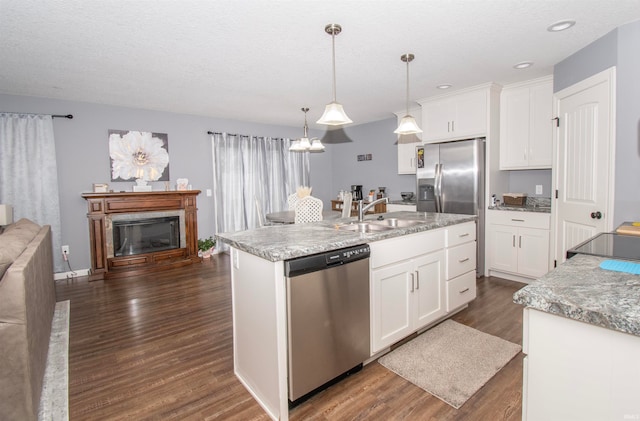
(364, 227)
(395, 223)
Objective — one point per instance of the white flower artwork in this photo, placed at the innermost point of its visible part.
(138, 155)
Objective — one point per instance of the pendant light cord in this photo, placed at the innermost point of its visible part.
(333, 53)
(407, 87)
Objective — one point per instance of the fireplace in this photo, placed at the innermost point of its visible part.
(141, 232)
(147, 235)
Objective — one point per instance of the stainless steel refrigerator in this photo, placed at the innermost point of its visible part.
(450, 179)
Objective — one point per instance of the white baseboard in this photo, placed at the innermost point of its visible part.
(68, 275)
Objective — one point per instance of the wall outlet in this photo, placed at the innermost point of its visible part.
(538, 188)
(209, 192)
(65, 250)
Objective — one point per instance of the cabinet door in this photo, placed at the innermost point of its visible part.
(503, 249)
(407, 158)
(533, 252)
(470, 115)
(514, 128)
(427, 287)
(541, 135)
(391, 304)
(436, 118)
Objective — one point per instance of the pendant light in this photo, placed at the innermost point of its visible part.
(408, 124)
(304, 144)
(334, 114)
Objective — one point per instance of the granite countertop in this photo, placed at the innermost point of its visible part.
(578, 289)
(402, 202)
(282, 242)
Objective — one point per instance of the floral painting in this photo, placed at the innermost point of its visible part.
(138, 156)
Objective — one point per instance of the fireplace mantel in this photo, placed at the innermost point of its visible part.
(104, 205)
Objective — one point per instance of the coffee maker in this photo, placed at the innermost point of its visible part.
(356, 191)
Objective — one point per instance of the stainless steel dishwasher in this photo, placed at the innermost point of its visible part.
(328, 318)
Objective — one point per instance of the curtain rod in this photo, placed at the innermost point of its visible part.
(69, 116)
(235, 134)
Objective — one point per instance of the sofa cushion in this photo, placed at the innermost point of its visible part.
(14, 240)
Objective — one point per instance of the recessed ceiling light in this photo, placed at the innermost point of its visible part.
(523, 65)
(443, 86)
(561, 25)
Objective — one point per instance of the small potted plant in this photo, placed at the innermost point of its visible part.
(205, 247)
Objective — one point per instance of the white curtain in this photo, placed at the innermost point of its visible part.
(28, 173)
(249, 167)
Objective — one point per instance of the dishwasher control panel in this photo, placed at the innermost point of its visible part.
(315, 262)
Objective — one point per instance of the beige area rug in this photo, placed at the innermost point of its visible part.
(451, 361)
(54, 401)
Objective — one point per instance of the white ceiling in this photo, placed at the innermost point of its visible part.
(261, 61)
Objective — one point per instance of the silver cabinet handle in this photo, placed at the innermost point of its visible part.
(412, 282)
(520, 241)
(464, 290)
(517, 220)
(453, 127)
(514, 241)
(417, 280)
(463, 260)
(466, 234)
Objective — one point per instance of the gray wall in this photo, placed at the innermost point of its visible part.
(377, 139)
(618, 48)
(525, 181)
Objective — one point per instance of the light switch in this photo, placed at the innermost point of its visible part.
(209, 193)
(538, 188)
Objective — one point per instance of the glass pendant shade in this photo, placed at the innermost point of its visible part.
(316, 145)
(408, 125)
(334, 115)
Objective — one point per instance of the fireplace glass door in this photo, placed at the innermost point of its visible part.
(146, 235)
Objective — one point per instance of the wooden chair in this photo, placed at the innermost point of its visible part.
(308, 209)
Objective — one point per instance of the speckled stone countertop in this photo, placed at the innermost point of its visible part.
(533, 204)
(282, 242)
(578, 289)
(402, 202)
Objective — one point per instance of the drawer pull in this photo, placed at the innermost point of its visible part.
(463, 260)
(517, 220)
(464, 290)
(413, 282)
(466, 234)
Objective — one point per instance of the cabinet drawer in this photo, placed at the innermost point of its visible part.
(520, 219)
(397, 249)
(394, 207)
(462, 233)
(461, 259)
(119, 262)
(461, 290)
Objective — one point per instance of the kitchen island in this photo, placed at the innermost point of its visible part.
(259, 297)
(582, 340)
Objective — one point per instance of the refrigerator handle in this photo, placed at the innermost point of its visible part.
(437, 186)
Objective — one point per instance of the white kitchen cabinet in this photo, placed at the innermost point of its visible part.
(397, 207)
(518, 243)
(526, 128)
(578, 371)
(409, 285)
(407, 144)
(455, 116)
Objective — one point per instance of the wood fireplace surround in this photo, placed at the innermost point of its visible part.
(102, 206)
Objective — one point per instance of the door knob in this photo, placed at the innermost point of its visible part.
(596, 215)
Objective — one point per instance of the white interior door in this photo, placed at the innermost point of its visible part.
(584, 161)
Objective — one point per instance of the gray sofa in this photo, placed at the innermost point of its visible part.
(27, 303)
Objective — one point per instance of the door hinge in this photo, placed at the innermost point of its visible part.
(557, 120)
(556, 193)
(555, 263)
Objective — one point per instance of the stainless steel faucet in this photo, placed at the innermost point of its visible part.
(362, 208)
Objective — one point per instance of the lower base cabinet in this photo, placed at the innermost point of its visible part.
(416, 280)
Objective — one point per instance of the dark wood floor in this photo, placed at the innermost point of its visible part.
(160, 347)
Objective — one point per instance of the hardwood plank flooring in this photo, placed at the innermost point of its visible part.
(159, 347)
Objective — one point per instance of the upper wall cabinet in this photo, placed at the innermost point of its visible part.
(407, 151)
(526, 128)
(457, 116)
